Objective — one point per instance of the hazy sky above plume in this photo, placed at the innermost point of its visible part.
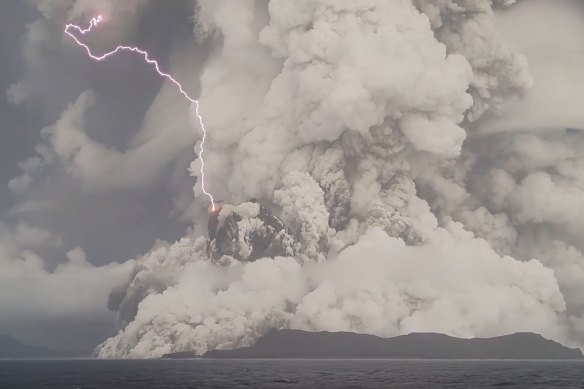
(76, 207)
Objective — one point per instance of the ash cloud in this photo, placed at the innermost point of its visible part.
(397, 185)
(457, 285)
(108, 168)
(358, 141)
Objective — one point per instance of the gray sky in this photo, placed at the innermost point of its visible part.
(110, 225)
(82, 216)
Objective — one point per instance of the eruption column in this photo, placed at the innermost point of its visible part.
(94, 23)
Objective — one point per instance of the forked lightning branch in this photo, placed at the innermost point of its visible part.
(71, 28)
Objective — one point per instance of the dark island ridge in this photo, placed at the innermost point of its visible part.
(282, 344)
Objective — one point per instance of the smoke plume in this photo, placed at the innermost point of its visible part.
(378, 172)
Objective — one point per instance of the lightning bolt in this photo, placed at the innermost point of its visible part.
(71, 28)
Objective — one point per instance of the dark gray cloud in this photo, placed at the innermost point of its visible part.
(19, 127)
(125, 223)
(41, 74)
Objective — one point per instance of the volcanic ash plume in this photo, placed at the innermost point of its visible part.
(353, 203)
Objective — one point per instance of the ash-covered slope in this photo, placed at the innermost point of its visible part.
(302, 344)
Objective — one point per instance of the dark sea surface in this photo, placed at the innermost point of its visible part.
(309, 374)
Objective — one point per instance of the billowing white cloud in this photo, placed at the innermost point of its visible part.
(457, 285)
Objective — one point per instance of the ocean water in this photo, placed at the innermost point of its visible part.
(305, 374)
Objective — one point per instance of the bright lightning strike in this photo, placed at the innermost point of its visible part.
(69, 28)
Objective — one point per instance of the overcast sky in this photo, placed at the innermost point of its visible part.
(96, 220)
(109, 223)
